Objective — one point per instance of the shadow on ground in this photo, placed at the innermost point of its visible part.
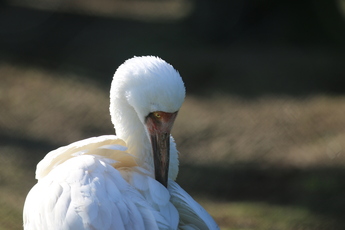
(320, 190)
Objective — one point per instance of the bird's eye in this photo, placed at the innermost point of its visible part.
(157, 115)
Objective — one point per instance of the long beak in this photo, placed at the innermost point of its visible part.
(159, 126)
(161, 155)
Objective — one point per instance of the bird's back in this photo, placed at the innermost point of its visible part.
(96, 184)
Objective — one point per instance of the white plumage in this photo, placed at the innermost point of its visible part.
(124, 181)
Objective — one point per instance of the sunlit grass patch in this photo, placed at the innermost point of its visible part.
(11, 217)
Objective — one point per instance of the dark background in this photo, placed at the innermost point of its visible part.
(238, 47)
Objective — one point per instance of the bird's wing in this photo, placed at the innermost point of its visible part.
(107, 146)
(192, 215)
(80, 190)
(155, 194)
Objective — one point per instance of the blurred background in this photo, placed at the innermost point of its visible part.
(262, 132)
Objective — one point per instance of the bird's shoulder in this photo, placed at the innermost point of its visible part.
(108, 146)
(87, 192)
(87, 187)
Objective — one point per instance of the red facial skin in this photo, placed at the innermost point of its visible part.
(159, 126)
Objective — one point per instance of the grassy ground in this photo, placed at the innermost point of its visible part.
(260, 163)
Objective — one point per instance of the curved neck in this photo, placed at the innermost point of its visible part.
(129, 128)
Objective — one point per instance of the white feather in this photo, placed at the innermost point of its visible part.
(191, 213)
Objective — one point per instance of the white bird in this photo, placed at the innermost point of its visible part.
(125, 181)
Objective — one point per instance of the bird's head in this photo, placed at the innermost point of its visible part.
(155, 91)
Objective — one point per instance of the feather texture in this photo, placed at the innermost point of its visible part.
(88, 191)
(97, 191)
